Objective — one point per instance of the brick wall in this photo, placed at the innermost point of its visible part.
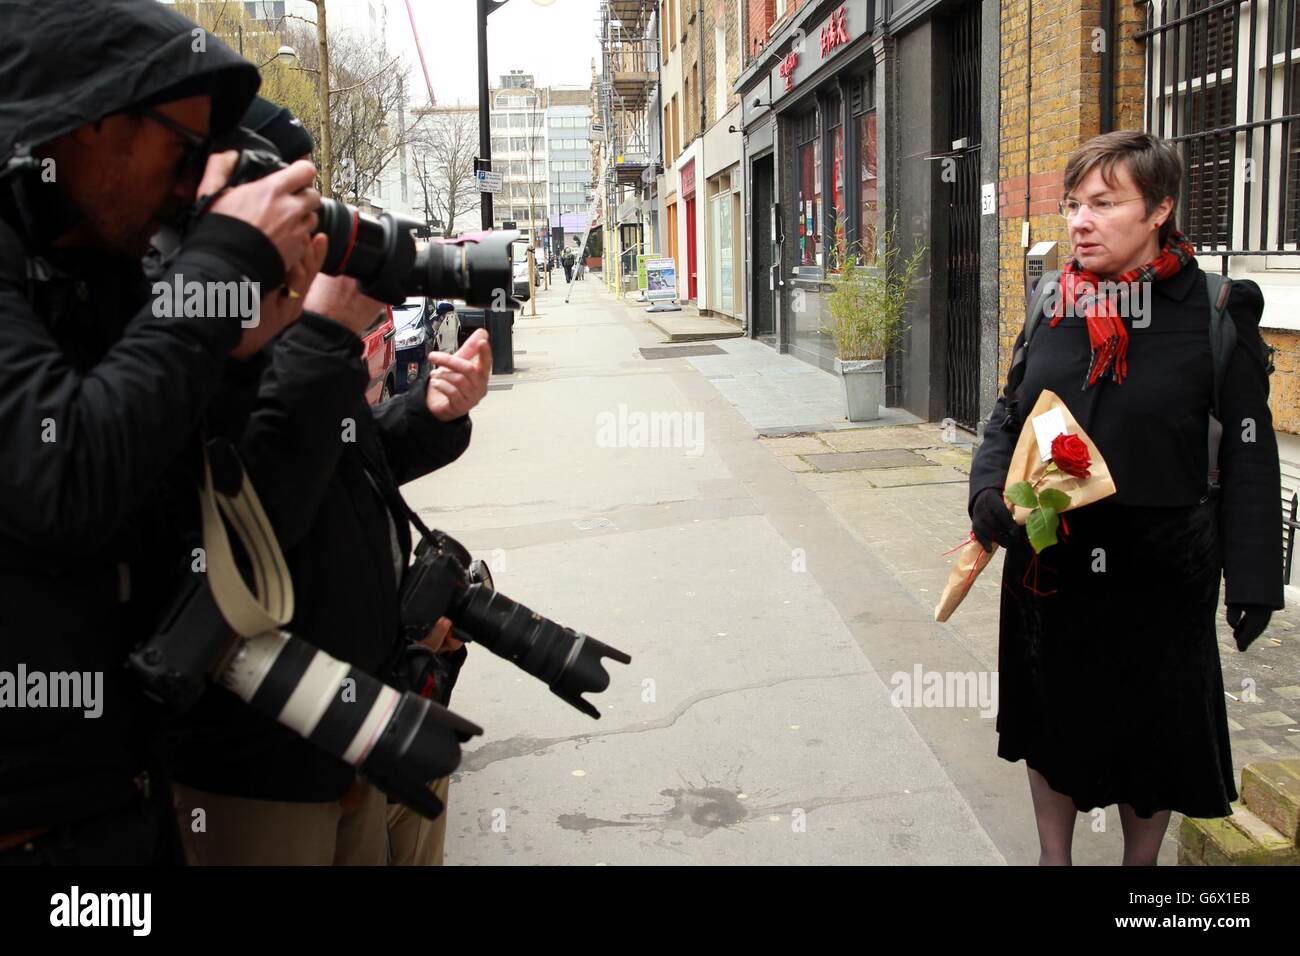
(1065, 112)
(1130, 65)
(759, 15)
(691, 28)
(1284, 384)
(719, 13)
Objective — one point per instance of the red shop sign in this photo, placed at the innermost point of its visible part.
(835, 33)
(687, 184)
(787, 68)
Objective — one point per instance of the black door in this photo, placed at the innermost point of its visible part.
(962, 181)
(760, 207)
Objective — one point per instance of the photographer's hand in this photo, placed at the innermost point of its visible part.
(339, 298)
(281, 206)
(460, 381)
(281, 308)
(440, 640)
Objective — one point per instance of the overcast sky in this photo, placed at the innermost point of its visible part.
(556, 43)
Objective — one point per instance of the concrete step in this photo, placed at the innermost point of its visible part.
(685, 327)
(1271, 789)
(1242, 839)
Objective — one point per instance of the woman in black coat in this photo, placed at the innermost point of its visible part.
(1110, 682)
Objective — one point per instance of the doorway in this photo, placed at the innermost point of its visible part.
(690, 248)
(962, 397)
(764, 311)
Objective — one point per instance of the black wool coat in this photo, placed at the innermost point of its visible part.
(1153, 429)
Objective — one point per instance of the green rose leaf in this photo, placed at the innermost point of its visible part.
(1054, 499)
(1041, 528)
(1022, 493)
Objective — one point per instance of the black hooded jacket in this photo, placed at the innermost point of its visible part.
(97, 394)
(323, 463)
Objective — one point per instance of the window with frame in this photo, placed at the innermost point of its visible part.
(863, 107)
(808, 198)
(836, 218)
(1228, 116)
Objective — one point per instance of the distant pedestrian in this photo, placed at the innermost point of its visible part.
(566, 260)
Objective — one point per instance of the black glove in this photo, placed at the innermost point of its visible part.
(1247, 622)
(991, 520)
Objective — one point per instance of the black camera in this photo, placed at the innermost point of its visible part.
(380, 253)
(444, 581)
(401, 741)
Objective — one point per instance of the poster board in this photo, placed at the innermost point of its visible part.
(661, 280)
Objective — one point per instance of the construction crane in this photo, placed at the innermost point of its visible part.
(433, 100)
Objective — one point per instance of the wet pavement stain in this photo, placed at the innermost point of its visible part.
(695, 811)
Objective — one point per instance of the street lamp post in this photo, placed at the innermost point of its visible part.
(485, 8)
(498, 323)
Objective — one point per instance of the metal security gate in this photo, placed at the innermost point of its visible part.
(1223, 83)
(960, 173)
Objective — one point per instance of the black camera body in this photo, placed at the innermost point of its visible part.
(444, 581)
(380, 252)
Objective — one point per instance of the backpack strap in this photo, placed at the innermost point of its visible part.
(1033, 313)
(1048, 281)
(1223, 339)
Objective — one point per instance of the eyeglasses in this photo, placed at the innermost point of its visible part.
(1101, 208)
(197, 147)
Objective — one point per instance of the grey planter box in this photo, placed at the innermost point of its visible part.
(864, 387)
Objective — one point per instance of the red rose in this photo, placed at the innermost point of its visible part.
(1071, 455)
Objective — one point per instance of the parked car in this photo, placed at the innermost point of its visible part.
(379, 357)
(519, 266)
(422, 326)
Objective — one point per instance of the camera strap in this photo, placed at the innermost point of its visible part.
(391, 494)
(269, 605)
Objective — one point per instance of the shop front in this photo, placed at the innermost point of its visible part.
(817, 188)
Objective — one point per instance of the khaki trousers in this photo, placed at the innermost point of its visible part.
(413, 840)
(237, 831)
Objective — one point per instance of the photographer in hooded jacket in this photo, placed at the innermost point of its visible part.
(327, 467)
(104, 136)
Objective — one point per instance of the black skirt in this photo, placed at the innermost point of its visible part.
(1109, 679)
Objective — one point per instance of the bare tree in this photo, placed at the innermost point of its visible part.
(367, 86)
(442, 158)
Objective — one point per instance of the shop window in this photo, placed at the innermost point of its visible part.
(808, 205)
(838, 221)
(870, 203)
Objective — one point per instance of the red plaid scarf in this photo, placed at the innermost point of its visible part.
(1106, 331)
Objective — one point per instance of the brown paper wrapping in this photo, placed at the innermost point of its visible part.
(1026, 466)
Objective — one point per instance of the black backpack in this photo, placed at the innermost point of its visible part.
(1223, 339)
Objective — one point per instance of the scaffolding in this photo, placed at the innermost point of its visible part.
(629, 75)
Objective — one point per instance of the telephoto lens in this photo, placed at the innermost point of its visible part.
(400, 741)
(443, 581)
(380, 252)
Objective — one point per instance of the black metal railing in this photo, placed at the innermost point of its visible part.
(1289, 526)
(1223, 82)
